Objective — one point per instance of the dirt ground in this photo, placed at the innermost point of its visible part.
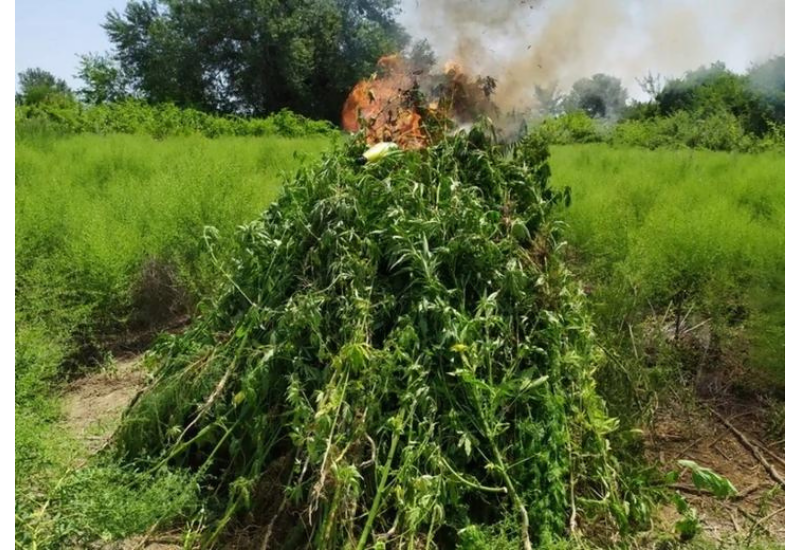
(695, 433)
(93, 406)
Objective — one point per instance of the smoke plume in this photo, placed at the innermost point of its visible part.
(523, 43)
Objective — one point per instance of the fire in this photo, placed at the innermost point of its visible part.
(389, 102)
(383, 102)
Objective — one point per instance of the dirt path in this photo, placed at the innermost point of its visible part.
(93, 405)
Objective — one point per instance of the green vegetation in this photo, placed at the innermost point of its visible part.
(387, 344)
(108, 239)
(159, 121)
(708, 108)
(250, 57)
(396, 339)
(39, 87)
(689, 233)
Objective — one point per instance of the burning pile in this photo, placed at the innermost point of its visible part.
(391, 105)
(400, 360)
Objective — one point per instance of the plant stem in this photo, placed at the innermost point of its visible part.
(376, 503)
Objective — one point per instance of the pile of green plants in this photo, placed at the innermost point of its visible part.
(400, 358)
(158, 120)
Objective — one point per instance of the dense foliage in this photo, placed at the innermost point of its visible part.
(601, 96)
(136, 117)
(248, 56)
(396, 340)
(37, 86)
(690, 241)
(708, 108)
(720, 131)
(756, 99)
(108, 247)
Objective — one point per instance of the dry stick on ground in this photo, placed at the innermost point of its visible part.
(692, 490)
(753, 449)
(689, 446)
(760, 523)
(771, 453)
(720, 451)
(268, 534)
(734, 522)
(147, 536)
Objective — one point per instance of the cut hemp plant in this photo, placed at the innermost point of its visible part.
(399, 354)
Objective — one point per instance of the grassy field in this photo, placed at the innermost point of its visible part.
(93, 208)
(696, 234)
(104, 222)
(101, 224)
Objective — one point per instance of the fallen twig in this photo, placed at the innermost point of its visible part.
(734, 522)
(753, 449)
(760, 523)
(770, 452)
(692, 490)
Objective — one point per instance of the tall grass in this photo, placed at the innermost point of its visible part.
(692, 230)
(91, 210)
(107, 229)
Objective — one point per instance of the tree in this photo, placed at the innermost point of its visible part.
(704, 90)
(549, 99)
(253, 56)
(103, 78)
(158, 54)
(39, 86)
(601, 96)
(767, 81)
(651, 84)
(421, 56)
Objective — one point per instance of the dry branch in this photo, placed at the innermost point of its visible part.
(756, 452)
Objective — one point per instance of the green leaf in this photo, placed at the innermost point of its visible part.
(705, 478)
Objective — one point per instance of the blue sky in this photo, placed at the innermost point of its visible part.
(51, 33)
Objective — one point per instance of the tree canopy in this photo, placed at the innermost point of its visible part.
(600, 96)
(757, 98)
(252, 56)
(104, 80)
(39, 86)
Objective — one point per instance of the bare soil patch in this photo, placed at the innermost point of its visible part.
(692, 431)
(93, 404)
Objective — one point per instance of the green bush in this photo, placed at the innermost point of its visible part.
(160, 121)
(720, 131)
(571, 127)
(716, 131)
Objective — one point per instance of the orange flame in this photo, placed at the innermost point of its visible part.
(381, 101)
(384, 104)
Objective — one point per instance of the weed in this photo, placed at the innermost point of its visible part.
(406, 335)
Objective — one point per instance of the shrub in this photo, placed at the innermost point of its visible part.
(718, 131)
(159, 121)
(571, 127)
